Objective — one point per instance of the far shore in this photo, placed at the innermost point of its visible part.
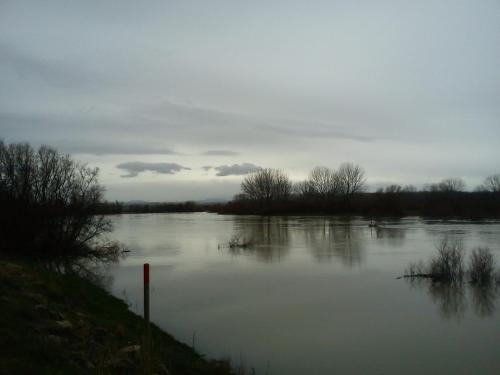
(431, 205)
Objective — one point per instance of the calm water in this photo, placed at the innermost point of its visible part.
(312, 295)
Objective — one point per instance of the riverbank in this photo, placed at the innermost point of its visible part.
(58, 324)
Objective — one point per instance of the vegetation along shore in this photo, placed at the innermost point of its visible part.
(64, 324)
(341, 191)
(53, 231)
(55, 318)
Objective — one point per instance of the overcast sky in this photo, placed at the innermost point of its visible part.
(177, 100)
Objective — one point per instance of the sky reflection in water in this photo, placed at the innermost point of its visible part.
(312, 293)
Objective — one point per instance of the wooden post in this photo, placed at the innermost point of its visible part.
(147, 328)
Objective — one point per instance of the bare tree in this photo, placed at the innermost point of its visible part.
(303, 188)
(430, 187)
(350, 179)
(324, 182)
(266, 185)
(393, 189)
(492, 183)
(409, 189)
(48, 201)
(449, 185)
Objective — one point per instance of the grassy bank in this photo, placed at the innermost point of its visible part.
(58, 324)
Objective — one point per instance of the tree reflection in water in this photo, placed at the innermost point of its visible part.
(390, 236)
(450, 298)
(484, 299)
(454, 298)
(267, 238)
(454, 285)
(332, 240)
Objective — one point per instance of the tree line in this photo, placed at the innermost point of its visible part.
(343, 191)
(267, 185)
(54, 205)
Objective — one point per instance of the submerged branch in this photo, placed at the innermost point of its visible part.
(418, 275)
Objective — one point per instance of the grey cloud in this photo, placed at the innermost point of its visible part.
(157, 79)
(240, 128)
(320, 131)
(135, 167)
(143, 130)
(98, 147)
(236, 169)
(75, 135)
(54, 72)
(220, 153)
(206, 167)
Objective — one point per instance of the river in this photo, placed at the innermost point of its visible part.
(311, 294)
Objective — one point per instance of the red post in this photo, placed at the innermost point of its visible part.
(146, 273)
(147, 329)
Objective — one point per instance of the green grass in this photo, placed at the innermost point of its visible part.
(58, 324)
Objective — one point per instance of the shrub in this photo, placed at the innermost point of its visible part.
(448, 264)
(48, 202)
(238, 242)
(481, 266)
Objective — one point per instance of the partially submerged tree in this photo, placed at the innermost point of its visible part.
(448, 264)
(481, 266)
(48, 203)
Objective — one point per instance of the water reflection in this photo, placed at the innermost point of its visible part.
(313, 304)
(449, 297)
(270, 239)
(390, 236)
(450, 286)
(484, 299)
(331, 240)
(454, 299)
(267, 238)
